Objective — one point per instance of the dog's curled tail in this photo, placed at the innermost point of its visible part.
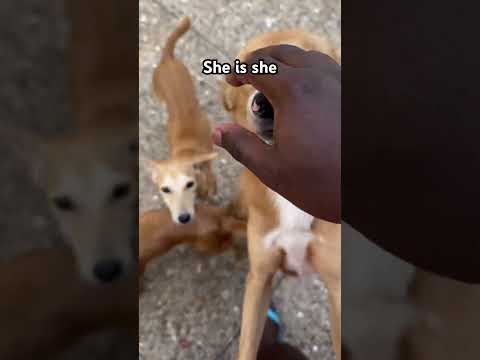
(182, 27)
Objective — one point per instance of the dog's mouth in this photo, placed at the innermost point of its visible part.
(263, 115)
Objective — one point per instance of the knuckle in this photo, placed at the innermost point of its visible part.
(321, 57)
(254, 56)
(301, 86)
(288, 49)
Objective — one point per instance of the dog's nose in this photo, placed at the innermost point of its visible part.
(107, 271)
(184, 218)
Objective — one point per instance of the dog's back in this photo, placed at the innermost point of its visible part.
(171, 79)
(297, 37)
(188, 126)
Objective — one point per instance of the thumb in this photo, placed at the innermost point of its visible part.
(247, 148)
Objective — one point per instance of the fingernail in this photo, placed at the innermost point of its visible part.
(217, 137)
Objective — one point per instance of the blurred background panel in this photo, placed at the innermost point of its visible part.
(48, 308)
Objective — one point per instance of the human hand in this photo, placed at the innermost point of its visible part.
(304, 162)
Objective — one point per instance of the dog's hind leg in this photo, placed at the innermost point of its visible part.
(324, 254)
(207, 183)
(258, 293)
(211, 180)
(203, 186)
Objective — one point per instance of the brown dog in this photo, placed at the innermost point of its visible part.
(188, 172)
(212, 232)
(280, 235)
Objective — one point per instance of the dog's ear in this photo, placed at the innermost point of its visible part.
(28, 147)
(228, 96)
(199, 159)
(154, 168)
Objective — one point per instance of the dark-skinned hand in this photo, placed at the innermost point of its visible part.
(304, 162)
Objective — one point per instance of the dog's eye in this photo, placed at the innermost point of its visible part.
(64, 203)
(120, 191)
(166, 190)
(189, 185)
(261, 107)
(133, 147)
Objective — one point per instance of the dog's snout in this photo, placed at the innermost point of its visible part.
(184, 218)
(107, 271)
(261, 106)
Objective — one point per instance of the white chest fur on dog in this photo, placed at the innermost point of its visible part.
(293, 233)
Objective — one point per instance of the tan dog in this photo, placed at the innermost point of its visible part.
(89, 178)
(212, 232)
(90, 174)
(280, 235)
(188, 172)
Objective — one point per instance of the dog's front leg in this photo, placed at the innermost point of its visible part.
(325, 257)
(237, 207)
(203, 186)
(258, 293)
(264, 262)
(211, 181)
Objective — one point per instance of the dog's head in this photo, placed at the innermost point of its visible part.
(249, 107)
(90, 180)
(178, 181)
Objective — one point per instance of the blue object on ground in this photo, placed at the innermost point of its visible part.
(273, 315)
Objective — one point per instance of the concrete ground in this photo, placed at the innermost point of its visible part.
(192, 303)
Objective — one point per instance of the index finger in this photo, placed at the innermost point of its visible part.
(288, 54)
(297, 57)
(269, 84)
